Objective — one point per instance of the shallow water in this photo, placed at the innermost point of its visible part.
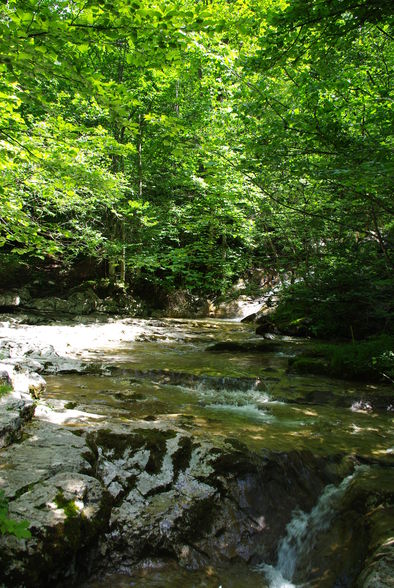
(167, 375)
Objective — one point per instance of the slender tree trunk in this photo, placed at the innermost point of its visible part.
(380, 239)
(140, 168)
(123, 258)
(176, 107)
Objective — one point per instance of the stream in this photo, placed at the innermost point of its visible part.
(163, 373)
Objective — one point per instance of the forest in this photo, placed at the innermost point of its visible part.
(183, 145)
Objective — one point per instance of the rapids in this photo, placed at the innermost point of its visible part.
(162, 369)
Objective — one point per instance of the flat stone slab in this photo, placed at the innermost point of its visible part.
(47, 451)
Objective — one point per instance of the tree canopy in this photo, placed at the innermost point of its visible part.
(181, 144)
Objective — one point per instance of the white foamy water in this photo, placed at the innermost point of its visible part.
(251, 402)
(302, 533)
(275, 578)
(248, 410)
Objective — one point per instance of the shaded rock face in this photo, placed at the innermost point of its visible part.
(65, 514)
(109, 499)
(182, 304)
(197, 502)
(358, 539)
(77, 303)
(16, 405)
(15, 411)
(81, 303)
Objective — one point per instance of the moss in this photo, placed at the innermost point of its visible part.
(242, 347)
(69, 506)
(5, 389)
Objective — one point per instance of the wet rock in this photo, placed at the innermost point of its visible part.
(165, 376)
(199, 502)
(379, 569)
(355, 533)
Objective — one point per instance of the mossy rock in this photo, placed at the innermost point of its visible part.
(305, 364)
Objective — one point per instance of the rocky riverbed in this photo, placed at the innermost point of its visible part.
(154, 456)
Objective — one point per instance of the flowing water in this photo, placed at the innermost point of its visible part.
(165, 373)
(303, 531)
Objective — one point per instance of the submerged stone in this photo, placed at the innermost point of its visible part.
(245, 347)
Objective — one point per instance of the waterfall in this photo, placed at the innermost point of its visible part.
(302, 533)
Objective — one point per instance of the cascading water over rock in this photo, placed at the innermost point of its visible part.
(303, 531)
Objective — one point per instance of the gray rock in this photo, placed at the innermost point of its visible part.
(182, 304)
(15, 411)
(48, 450)
(65, 513)
(78, 303)
(48, 482)
(195, 500)
(18, 372)
(379, 570)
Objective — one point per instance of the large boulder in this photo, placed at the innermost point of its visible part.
(84, 302)
(182, 304)
(241, 307)
(48, 481)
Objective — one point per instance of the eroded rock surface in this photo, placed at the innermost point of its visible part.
(15, 411)
(198, 502)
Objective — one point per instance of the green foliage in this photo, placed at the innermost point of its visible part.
(372, 359)
(9, 526)
(344, 298)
